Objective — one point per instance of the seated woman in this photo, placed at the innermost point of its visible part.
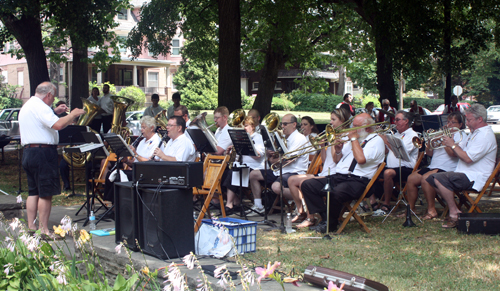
(443, 160)
(143, 151)
(369, 109)
(308, 129)
(337, 117)
(254, 163)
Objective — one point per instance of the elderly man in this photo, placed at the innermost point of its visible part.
(221, 134)
(357, 161)
(391, 173)
(38, 125)
(154, 108)
(179, 147)
(106, 103)
(386, 105)
(295, 140)
(477, 161)
(348, 101)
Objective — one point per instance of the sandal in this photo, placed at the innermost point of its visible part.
(452, 223)
(307, 223)
(374, 206)
(51, 237)
(299, 218)
(429, 216)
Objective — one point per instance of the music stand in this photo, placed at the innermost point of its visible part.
(72, 135)
(93, 140)
(398, 149)
(431, 121)
(243, 145)
(268, 140)
(281, 150)
(201, 141)
(122, 150)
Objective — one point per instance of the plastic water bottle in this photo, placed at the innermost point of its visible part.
(92, 221)
(288, 224)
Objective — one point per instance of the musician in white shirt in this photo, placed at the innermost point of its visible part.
(221, 115)
(294, 140)
(179, 147)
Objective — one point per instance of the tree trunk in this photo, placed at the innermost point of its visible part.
(28, 32)
(341, 90)
(269, 75)
(229, 54)
(80, 85)
(385, 81)
(447, 51)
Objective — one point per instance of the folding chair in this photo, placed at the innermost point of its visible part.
(352, 209)
(496, 181)
(101, 179)
(314, 166)
(213, 168)
(464, 198)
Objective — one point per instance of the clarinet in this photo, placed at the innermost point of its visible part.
(159, 145)
(137, 141)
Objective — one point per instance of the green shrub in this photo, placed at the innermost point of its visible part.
(6, 93)
(135, 94)
(282, 104)
(370, 98)
(430, 104)
(315, 102)
(247, 101)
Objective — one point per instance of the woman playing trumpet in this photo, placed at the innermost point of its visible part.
(254, 163)
(337, 118)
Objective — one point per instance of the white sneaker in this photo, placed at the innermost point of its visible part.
(379, 212)
(255, 211)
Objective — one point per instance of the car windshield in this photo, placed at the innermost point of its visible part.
(440, 108)
(494, 109)
(4, 114)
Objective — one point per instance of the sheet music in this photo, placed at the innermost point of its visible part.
(397, 147)
(283, 147)
(100, 141)
(84, 148)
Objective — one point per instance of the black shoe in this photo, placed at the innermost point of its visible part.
(321, 227)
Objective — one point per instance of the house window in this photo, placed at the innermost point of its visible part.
(61, 74)
(122, 43)
(94, 74)
(20, 78)
(348, 87)
(277, 86)
(123, 14)
(175, 47)
(124, 78)
(5, 75)
(255, 86)
(153, 79)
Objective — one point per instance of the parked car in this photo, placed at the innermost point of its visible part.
(9, 125)
(493, 113)
(133, 119)
(440, 109)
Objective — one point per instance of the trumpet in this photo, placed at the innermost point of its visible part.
(435, 138)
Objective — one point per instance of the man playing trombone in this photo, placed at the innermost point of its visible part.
(357, 161)
(391, 173)
(294, 140)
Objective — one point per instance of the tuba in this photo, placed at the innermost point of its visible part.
(201, 122)
(236, 118)
(120, 105)
(91, 111)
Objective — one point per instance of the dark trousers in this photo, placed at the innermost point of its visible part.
(344, 189)
(106, 123)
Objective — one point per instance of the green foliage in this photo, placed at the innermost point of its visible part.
(315, 102)
(280, 103)
(246, 101)
(112, 88)
(135, 94)
(197, 84)
(165, 104)
(370, 98)
(430, 104)
(6, 93)
(416, 94)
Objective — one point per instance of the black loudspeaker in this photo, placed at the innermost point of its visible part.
(166, 222)
(126, 215)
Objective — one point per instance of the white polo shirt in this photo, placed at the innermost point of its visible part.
(106, 103)
(35, 123)
(374, 151)
(299, 166)
(441, 159)
(146, 148)
(481, 147)
(181, 149)
(407, 137)
(223, 138)
(256, 163)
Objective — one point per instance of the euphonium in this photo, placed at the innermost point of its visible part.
(161, 119)
(91, 111)
(435, 138)
(120, 107)
(272, 122)
(201, 122)
(236, 118)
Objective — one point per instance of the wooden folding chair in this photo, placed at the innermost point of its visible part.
(213, 168)
(464, 198)
(101, 179)
(415, 168)
(496, 181)
(352, 209)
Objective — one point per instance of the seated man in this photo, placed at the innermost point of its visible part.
(391, 173)
(477, 161)
(357, 161)
(443, 160)
(294, 140)
(179, 147)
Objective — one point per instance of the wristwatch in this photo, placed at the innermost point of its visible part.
(136, 155)
(353, 139)
(453, 146)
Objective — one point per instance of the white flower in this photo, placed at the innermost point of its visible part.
(175, 279)
(118, 248)
(7, 268)
(62, 279)
(189, 260)
(15, 223)
(218, 271)
(66, 223)
(19, 199)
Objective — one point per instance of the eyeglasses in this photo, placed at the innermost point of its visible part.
(385, 105)
(285, 123)
(398, 119)
(170, 125)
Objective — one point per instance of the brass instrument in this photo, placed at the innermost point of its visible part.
(161, 119)
(201, 122)
(434, 139)
(91, 111)
(236, 118)
(272, 122)
(120, 107)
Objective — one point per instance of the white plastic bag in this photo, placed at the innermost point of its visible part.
(214, 241)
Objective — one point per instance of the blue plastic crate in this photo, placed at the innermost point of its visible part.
(243, 231)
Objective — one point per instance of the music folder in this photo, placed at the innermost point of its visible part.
(200, 140)
(397, 147)
(118, 145)
(267, 138)
(72, 135)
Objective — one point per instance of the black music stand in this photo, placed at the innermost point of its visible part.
(244, 146)
(122, 150)
(72, 135)
(397, 147)
(95, 147)
(268, 145)
(201, 141)
(431, 122)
